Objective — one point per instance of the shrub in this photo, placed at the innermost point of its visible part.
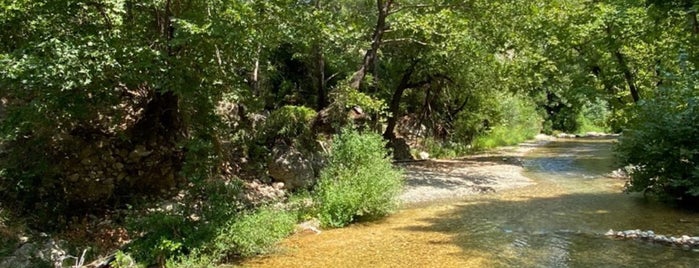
(197, 233)
(444, 149)
(252, 233)
(661, 144)
(594, 117)
(519, 121)
(359, 181)
(288, 123)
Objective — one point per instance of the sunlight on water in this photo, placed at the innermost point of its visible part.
(558, 222)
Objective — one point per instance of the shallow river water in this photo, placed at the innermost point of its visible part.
(559, 221)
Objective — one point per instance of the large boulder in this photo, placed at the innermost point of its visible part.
(37, 254)
(290, 166)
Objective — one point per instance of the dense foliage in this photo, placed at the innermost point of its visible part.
(661, 144)
(359, 181)
(104, 103)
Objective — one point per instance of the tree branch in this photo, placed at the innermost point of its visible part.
(411, 40)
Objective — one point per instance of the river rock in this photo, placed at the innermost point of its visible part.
(310, 226)
(643, 235)
(685, 239)
(424, 155)
(291, 167)
(36, 254)
(630, 234)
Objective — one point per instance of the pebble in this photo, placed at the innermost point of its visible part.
(684, 241)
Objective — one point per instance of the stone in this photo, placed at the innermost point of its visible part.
(609, 233)
(424, 155)
(73, 178)
(278, 185)
(291, 167)
(34, 254)
(685, 240)
(139, 152)
(630, 234)
(310, 226)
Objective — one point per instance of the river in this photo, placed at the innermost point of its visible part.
(559, 221)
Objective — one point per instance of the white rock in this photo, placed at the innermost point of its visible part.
(424, 155)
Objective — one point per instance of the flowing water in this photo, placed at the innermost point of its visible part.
(557, 222)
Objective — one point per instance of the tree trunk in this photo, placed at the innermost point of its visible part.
(628, 76)
(394, 107)
(320, 77)
(162, 117)
(319, 72)
(608, 87)
(692, 16)
(383, 12)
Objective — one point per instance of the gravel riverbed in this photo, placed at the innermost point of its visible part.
(439, 180)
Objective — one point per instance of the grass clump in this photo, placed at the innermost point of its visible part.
(203, 233)
(359, 181)
(253, 233)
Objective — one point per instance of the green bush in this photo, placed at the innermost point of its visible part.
(444, 149)
(519, 121)
(594, 117)
(359, 181)
(253, 233)
(197, 233)
(289, 123)
(661, 144)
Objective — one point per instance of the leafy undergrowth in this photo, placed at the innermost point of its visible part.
(209, 223)
(359, 181)
(206, 229)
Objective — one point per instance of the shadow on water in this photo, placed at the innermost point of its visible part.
(563, 231)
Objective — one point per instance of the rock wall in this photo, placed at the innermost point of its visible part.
(97, 171)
